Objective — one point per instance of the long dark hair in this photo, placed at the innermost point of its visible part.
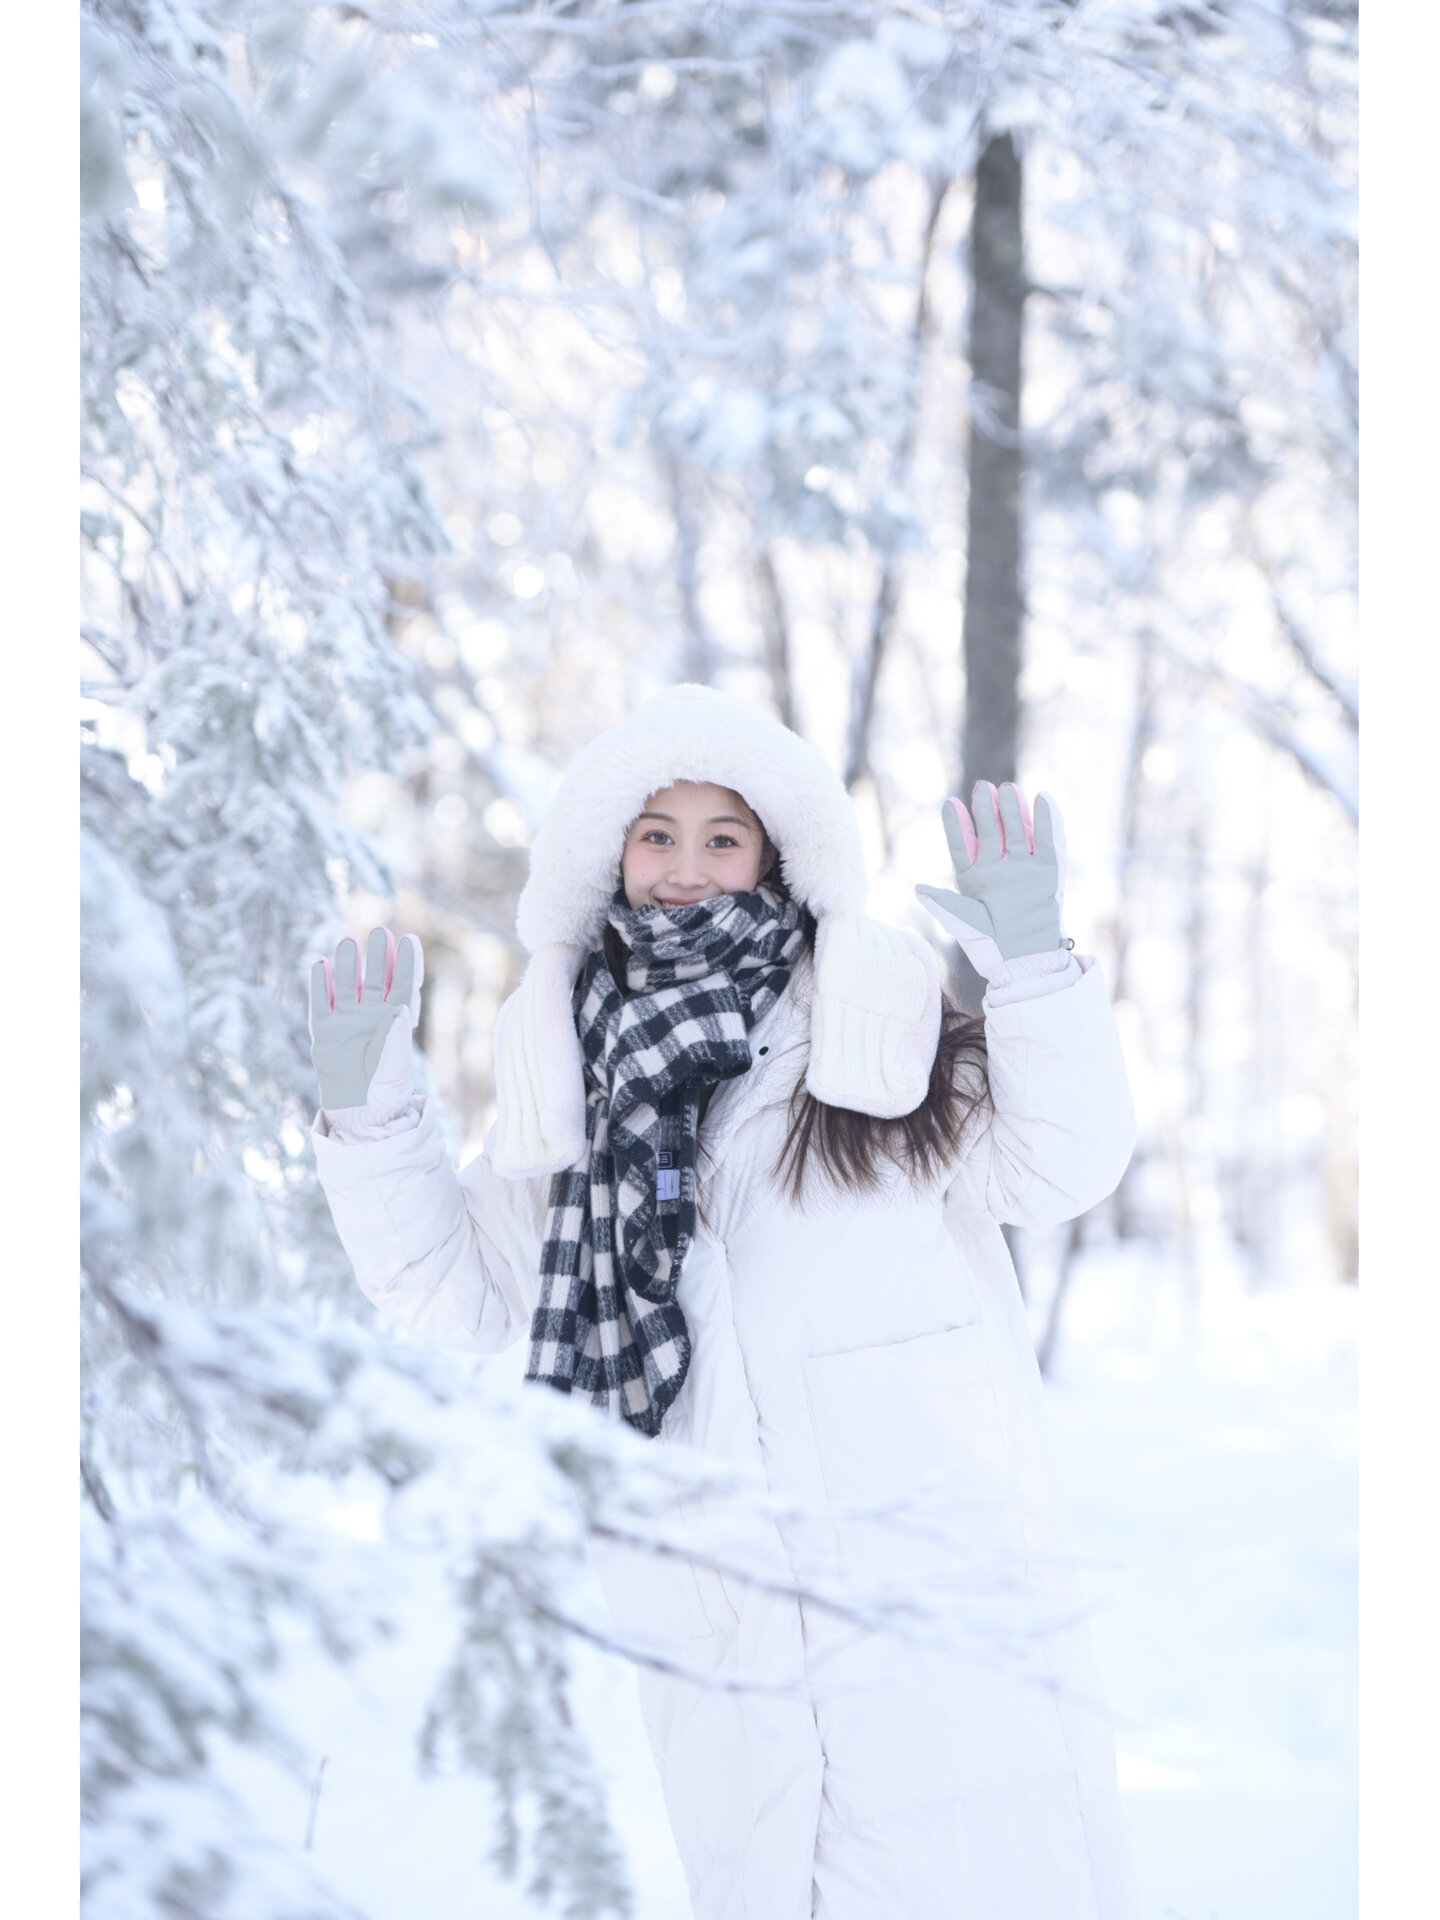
(835, 1147)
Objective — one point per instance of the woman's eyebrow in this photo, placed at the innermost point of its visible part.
(715, 820)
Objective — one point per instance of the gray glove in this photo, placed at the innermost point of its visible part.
(360, 1035)
(1010, 877)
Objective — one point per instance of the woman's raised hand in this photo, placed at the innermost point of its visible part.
(360, 1030)
(1010, 872)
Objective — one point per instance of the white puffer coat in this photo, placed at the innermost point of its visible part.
(850, 1350)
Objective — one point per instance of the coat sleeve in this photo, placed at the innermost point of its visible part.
(455, 1258)
(1063, 1126)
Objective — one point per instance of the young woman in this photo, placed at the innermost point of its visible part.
(744, 1190)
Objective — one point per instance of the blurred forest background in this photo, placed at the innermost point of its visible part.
(972, 386)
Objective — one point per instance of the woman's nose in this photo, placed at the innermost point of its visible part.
(687, 867)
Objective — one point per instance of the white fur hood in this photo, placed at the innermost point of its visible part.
(876, 1011)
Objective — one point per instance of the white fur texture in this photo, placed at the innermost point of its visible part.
(687, 733)
(876, 1011)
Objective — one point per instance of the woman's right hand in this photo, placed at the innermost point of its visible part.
(360, 1030)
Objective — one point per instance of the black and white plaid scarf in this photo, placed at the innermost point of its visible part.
(622, 1218)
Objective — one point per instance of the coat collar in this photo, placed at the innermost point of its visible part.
(779, 1044)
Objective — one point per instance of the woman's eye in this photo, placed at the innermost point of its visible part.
(723, 841)
(657, 837)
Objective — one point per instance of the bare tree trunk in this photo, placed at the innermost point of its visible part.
(699, 661)
(1064, 1272)
(867, 675)
(1341, 1172)
(775, 625)
(1011, 1235)
(1260, 1166)
(1192, 1149)
(1142, 734)
(887, 598)
(994, 607)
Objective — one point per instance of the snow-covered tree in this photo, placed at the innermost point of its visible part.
(250, 494)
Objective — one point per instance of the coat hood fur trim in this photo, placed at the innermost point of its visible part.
(875, 1016)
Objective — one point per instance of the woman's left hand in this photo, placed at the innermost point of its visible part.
(1011, 875)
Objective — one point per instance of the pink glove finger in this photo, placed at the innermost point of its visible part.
(986, 802)
(967, 827)
(1025, 814)
(389, 962)
(322, 988)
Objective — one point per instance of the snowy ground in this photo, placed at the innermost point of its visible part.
(1210, 1464)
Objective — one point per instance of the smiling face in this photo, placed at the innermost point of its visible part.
(691, 842)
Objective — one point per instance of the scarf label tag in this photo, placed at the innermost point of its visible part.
(667, 1177)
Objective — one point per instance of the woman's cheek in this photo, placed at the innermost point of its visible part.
(635, 873)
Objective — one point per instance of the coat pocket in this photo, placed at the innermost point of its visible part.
(912, 1448)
